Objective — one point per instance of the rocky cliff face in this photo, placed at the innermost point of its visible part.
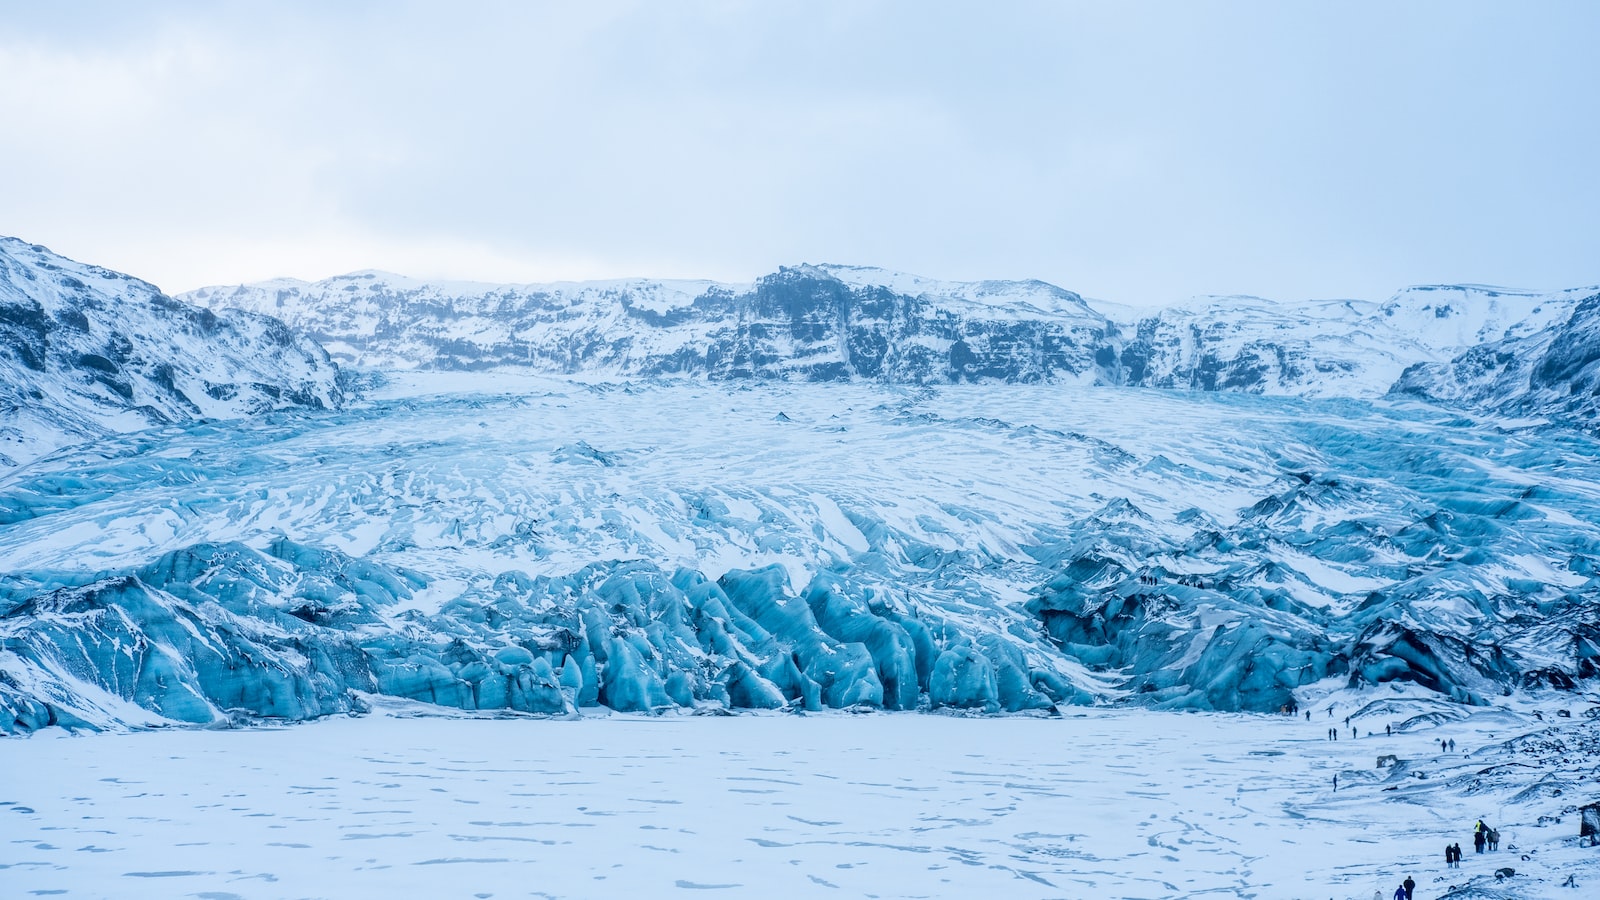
(85, 351)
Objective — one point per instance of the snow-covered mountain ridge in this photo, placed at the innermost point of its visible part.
(85, 352)
(828, 323)
(807, 323)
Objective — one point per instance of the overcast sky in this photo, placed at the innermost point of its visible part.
(1137, 152)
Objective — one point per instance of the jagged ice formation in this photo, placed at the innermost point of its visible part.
(547, 546)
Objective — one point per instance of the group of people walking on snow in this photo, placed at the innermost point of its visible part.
(1482, 836)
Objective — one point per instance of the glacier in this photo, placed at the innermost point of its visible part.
(545, 546)
(835, 487)
(530, 550)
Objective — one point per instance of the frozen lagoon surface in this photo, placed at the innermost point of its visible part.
(1098, 803)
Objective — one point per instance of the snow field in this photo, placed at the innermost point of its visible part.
(1097, 803)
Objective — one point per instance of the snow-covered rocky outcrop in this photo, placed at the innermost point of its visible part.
(1333, 348)
(85, 351)
(1552, 372)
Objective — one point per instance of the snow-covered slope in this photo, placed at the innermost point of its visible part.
(1552, 372)
(1333, 348)
(538, 545)
(1252, 345)
(85, 351)
(1447, 316)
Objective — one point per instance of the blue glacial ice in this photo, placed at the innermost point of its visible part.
(548, 547)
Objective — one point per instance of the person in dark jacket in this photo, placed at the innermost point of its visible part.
(1478, 841)
(1409, 886)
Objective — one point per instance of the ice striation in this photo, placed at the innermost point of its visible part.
(85, 351)
(539, 546)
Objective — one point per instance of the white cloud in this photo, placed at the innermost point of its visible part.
(1134, 152)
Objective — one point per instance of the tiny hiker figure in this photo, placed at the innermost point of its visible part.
(1409, 886)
